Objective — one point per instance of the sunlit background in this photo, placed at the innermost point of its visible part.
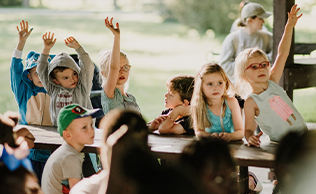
(162, 38)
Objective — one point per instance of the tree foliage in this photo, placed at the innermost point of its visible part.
(202, 15)
(10, 3)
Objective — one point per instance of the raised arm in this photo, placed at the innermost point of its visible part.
(42, 63)
(114, 68)
(16, 68)
(24, 33)
(284, 45)
(85, 63)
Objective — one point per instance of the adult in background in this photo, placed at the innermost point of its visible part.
(250, 34)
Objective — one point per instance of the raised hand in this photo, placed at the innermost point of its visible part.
(292, 15)
(72, 43)
(24, 33)
(254, 140)
(49, 42)
(115, 30)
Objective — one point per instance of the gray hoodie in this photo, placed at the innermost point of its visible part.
(60, 96)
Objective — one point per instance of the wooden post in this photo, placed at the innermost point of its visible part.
(280, 9)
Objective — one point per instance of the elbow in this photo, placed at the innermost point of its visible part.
(164, 130)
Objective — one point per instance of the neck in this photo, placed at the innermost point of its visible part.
(215, 102)
(258, 88)
(77, 146)
(121, 88)
(249, 30)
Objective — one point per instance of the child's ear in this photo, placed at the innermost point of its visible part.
(56, 82)
(66, 134)
(186, 102)
(29, 76)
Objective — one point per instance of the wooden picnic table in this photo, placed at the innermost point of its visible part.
(168, 148)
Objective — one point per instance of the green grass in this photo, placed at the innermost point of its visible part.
(156, 50)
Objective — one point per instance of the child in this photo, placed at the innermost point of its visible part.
(268, 103)
(31, 96)
(176, 118)
(115, 72)
(210, 158)
(64, 167)
(64, 80)
(214, 112)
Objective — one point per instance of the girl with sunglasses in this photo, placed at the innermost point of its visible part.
(267, 102)
(115, 68)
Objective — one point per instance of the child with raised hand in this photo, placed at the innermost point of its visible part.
(267, 102)
(29, 93)
(115, 69)
(64, 167)
(64, 80)
(215, 112)
(176, 118)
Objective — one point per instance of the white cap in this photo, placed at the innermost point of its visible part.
(254, 9)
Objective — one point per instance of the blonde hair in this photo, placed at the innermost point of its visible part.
(241, 62)
(199, 101)
(105, 56)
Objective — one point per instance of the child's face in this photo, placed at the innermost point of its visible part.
(260, 74)
(124, 71)
(33, 76)
(67, 79)
(172, 99)
(213, 86)
(257, 23)
(82, 131)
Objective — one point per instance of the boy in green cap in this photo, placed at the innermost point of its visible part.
(63, 169)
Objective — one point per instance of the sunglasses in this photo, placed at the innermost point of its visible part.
(125, 68)
(255, 66)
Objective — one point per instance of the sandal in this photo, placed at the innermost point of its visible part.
(253, 178)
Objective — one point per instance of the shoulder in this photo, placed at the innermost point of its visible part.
(231, 101)
(250, 102)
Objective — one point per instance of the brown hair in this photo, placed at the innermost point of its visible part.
(56, 70)
(183, 84)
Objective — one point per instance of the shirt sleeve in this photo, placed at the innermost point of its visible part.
(87, 69)
(16, 70)
(72, 167)
(227, 56)
(42, 71)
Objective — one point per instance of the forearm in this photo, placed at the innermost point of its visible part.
(46, 51)
(286, 40)
(115, 55)
(21, 45)
(199, 134)
(237, 135)
(248, 133)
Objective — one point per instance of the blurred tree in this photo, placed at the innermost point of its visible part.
(10, 3)
(202, 15)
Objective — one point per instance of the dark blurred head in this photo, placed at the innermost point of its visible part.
(6, 133)
(295, 162)
(19, 181)
(211, 159)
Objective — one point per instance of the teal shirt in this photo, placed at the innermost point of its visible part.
(119, 101)
(216, 123)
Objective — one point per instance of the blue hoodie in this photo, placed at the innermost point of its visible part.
(33, 101)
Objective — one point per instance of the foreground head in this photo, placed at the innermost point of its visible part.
(248, 64)
(76, 123)
(105, 67)
(253, 13)
(63, 70)
(295, 162)
(211, 159)
(19, 181)
(180, 90)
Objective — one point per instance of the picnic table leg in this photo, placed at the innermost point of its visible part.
(243, 179)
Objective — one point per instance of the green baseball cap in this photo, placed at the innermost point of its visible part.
(74, 111)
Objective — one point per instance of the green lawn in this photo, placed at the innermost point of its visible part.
(156, 50)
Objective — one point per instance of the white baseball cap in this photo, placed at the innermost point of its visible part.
(254, 9)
